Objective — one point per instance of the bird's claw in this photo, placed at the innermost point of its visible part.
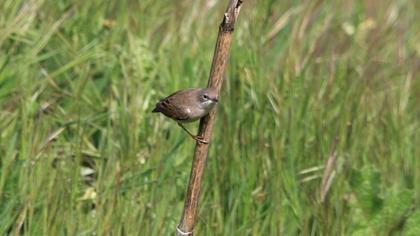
(201, 139)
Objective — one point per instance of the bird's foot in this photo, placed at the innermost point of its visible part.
(200, 139)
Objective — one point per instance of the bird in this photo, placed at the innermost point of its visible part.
(188, 105)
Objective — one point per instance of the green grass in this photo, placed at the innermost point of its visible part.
(78, 81)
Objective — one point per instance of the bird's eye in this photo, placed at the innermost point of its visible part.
(205, 96)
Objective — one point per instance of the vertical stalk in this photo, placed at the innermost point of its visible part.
(220, 58)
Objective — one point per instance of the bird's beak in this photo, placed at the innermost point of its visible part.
(215, 100)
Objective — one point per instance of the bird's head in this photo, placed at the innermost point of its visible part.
(208, 97)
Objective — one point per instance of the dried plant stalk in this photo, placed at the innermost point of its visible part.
(220, 59)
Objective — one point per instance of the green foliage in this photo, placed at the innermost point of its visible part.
(384, 211)
(81, 153)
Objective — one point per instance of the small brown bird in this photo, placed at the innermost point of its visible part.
(188, 105)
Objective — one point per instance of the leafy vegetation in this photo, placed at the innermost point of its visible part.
(82, 154)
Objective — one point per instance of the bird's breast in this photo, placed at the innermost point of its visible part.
(194, 113)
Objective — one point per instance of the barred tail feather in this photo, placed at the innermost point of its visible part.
(156, 109)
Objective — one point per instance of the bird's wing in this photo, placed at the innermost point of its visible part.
(167, 107)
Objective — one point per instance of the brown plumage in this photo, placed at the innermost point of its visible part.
(188, 105)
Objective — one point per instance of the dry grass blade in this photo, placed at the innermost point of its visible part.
(329, 171)
(282, 22)
(53, 136)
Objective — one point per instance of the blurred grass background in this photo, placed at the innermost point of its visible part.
(81, 153)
